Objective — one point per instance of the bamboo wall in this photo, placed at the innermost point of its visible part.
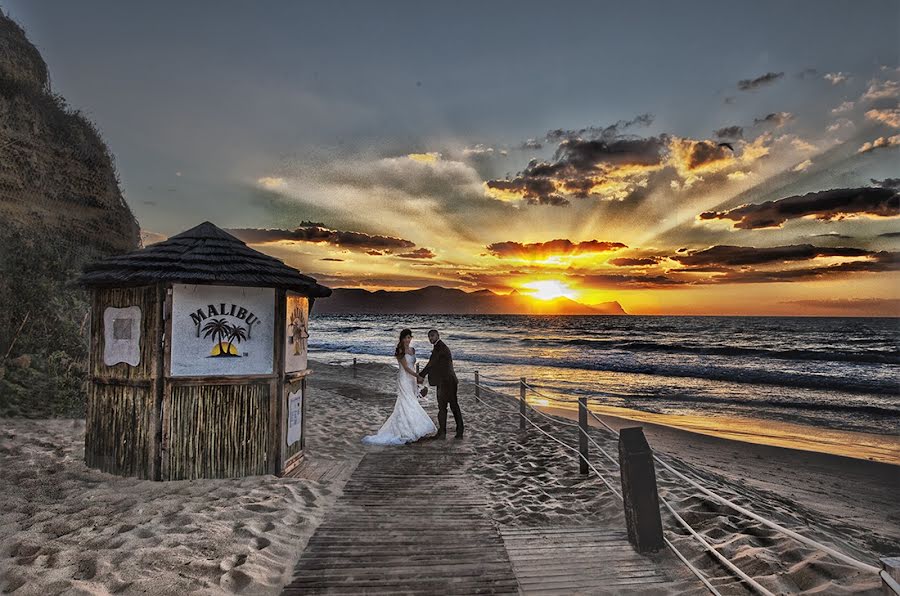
(121, 420)
(119, 429)
(215, 431)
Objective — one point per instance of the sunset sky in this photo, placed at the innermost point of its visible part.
(696, 158)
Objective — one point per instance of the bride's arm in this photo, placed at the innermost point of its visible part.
(405, 365)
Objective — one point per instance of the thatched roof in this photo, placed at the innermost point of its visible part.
(205, 254)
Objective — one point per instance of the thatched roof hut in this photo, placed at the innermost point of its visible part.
(205, 254)
(198, 360)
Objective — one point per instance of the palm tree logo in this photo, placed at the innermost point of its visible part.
(219, 329)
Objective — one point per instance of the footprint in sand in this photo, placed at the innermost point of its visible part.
(260, 508)
(232, 561)
(235, 580)
(260, 543)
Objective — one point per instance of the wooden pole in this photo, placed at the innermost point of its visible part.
(522, 410)
(477, 386)
(891, 569)
(354, 368)
(582, 435)
(639, 493)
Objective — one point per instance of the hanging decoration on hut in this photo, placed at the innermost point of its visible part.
(297, 332)
(122, 335)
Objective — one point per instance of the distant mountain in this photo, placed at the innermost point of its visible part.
(438, 300)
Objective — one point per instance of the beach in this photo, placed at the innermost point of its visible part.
(65, 528)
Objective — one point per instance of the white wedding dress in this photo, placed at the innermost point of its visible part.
(409, 421)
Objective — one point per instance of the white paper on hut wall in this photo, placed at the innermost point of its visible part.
(222, 330)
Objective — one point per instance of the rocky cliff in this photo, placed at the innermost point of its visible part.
(56, 175)
(60, 206)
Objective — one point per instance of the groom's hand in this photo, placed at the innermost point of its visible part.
(420, 378)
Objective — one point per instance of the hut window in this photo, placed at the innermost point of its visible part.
(122, 335)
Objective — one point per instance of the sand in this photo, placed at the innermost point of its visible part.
(65, 528)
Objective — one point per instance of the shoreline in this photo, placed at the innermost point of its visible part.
(857, 445)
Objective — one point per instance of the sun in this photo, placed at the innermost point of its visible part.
(549, 289)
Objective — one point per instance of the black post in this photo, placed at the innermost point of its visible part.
(354, 368)
(639, 491)
(477, 386)
(522, 410)
(582, 434)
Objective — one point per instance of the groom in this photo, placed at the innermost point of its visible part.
(439, 371)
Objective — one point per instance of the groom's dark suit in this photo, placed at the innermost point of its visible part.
(440, 373)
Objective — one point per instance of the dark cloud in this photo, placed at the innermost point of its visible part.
(760, 81)
(887, 183)
(374, 253)
(889, 306)
(696, 154)
(579, 168)
(613, 280)
(634, 261)
(732, 256)
(332, 259)
(559, 247)
(882, 262)
(889, 235)
(599, 132)
(832, 235)
(318, 233)
(419, 253)
(823, 205)
(775, 119)
(730, 132)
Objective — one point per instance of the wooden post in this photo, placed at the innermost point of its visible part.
(582, 434)
(890, 585)
(639, 493)
(354, 368)
(522, 409)
(477, 386)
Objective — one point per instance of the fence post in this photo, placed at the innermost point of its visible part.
(639, 493)
(582, 434)
(354, 368)
(891, 568)
(522, 410)
(477, 386)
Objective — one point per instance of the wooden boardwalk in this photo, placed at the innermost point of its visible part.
(410, 521)
(584, 561)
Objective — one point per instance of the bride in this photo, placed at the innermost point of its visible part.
(409, 421)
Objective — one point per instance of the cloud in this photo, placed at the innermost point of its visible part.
(730, 132)
(608, 169)
(634, 261)
(419, 253)
(532, 144)
(840, 124)
(481, 151)
(889, 235)
(890, 116)
(802, 166)
(599, 132)
(879, 143)
(776, 119)
(732, 256)
(270, 182)
(760, 81)
(887, 183)
(692, 155)
(332, 259)
(882, 262)
(844, 107)
(318, 233)
(881, 90)
(553, 248)
(836, 78)
(824, 205)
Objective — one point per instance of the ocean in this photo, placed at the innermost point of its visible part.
(838, 373)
